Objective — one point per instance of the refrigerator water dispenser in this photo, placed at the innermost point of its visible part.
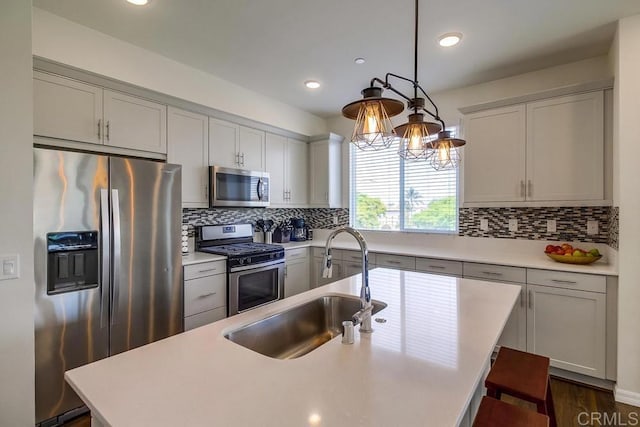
(72, 261)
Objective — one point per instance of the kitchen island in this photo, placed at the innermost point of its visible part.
(424, 365)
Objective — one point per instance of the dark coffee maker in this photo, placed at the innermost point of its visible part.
(300, 231)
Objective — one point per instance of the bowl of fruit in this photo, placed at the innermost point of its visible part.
(570, 255)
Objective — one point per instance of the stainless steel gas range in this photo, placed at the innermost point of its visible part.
(255, 271)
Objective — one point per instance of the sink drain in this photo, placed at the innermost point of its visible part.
(380, 320)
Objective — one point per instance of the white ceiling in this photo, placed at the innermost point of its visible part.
(273, 46)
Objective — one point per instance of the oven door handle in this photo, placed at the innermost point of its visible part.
(257, 267)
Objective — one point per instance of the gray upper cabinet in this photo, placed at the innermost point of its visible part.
(188, 145)
(550, 150)
(134, 123)
(287, 163)
(325, 178)
(70, 110)
(66, 109)
(235, 146)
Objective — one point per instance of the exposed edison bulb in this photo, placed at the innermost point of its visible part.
(415, 139)
(373, 129)
(446, 156)
(413, 145)
(371, 124)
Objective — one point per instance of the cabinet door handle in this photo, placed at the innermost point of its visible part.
(238, 159)
(99, 127)
(242, 157)
(326, 196)
(529, 188)
(207, 270)
(108, 130)
(394, 262)
(522, 188)
(438, 267)
(522, 298)
(491, 273)
(530, 300)
(286, 271)
(210, 294)
(566, 282)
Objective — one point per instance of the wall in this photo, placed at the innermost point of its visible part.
(627, 174)
(16, 225)
(64, 41)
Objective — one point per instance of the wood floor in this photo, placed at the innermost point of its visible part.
(570, 401)
(579, 405)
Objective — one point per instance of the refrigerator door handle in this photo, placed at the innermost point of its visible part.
(106, 250)
(115, 212)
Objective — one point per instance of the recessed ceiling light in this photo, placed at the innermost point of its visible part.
(449, 39)
(312, 84)
(138, 2)
(359, 61)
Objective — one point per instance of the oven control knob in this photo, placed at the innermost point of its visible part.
(247, 260)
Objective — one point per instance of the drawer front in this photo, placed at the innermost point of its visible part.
(335, 253)
(201, 319)
(440, 266)
(205, 293)
(561, 279)
(204, 269)
(500, 273)
(295, 254)
(356, 256)
(396, 261)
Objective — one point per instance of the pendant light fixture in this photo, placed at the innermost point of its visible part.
(373, 129)
(419, 139)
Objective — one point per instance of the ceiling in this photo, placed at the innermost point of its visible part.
(273, 46)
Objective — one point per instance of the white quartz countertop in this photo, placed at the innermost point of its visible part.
(200, 257)
(518, 253)
(419, 368)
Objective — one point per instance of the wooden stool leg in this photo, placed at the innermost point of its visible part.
(551, 411)
(494, 392)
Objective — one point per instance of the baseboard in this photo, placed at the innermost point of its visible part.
(626, 396)
(582, 379)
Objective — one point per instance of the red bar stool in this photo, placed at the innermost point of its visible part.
(522, 375)
(495, 413)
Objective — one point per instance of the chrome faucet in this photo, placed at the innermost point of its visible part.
(363, 316)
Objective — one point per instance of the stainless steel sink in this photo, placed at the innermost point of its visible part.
(301, 329)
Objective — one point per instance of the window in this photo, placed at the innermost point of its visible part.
(388, 193)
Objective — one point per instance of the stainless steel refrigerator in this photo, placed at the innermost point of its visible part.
(107, 264)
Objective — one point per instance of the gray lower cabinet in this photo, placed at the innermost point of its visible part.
(567, 322)
(205, 293)
(514, 334)
(439, 266)
(316, 267)
(296, 271)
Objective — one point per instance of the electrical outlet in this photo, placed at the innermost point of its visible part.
(335, 220)
(551, 226)
(513, 224)
(9, 267)
(484, 224)
(592, 227)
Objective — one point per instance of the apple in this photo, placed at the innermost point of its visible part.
(578, 253)
(594, 252)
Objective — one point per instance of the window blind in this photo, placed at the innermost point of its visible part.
(388, 193)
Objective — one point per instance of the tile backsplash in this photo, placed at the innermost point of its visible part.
(314, 217)
(571, 223)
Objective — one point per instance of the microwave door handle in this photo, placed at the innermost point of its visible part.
(260, 190)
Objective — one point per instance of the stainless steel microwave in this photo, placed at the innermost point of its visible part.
(238, 188)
